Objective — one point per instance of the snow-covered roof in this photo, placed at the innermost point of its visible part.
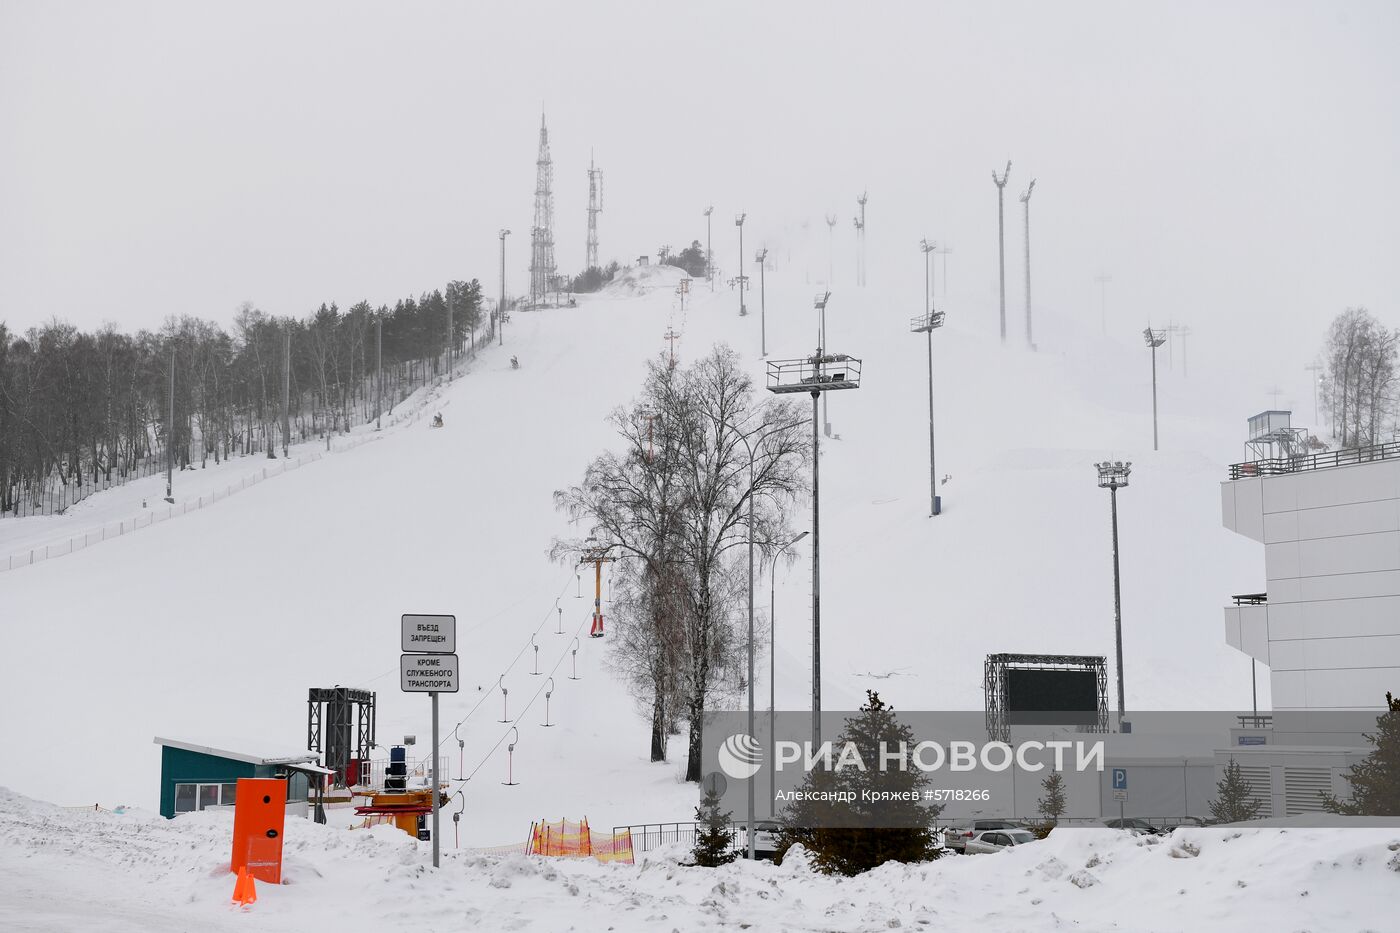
(253, 751)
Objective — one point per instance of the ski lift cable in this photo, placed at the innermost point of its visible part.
(521, 715)
(524, 648)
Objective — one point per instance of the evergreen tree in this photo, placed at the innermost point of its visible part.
(714, 843)
(1236, 802)
(843, 838)
(1052, 805)
(1375, 782)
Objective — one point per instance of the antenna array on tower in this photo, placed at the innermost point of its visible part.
(595, 206)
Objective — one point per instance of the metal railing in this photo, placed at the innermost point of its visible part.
(1250, 599)
(1320, 461)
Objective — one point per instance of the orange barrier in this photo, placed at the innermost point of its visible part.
(566, 839)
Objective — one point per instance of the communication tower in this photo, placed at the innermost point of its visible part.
(595, 205)
(542, 268)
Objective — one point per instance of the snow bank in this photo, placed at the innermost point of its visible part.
(66, 870)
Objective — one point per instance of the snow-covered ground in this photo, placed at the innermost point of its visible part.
(138, 873)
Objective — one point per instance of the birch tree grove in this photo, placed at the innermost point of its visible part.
(1359, 387)
(674, 504)
(82, 411)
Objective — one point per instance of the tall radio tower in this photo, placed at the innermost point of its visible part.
(542, 231)
(595, 204)
(860, 240)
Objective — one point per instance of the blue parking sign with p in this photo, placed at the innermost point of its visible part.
(1120, 778)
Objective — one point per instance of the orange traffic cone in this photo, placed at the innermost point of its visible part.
(245, 889)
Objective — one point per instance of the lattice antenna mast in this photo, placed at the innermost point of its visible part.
(542, 267)
(860, 240)
(595, 206)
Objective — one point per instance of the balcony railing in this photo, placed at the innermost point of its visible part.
(1251, 599)
(1319, 461)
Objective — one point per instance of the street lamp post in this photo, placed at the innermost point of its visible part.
(501, 305)
(773, 672)
(1114, 476)
(761, 257)
(1154, 339)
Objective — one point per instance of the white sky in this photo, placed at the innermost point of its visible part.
(1229, 164)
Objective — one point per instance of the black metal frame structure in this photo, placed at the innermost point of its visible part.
(994, 685)
(820, 372)
(331, 712)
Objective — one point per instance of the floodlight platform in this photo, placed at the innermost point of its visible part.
(817, 373)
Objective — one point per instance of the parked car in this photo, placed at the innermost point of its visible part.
(994, 840)
(1190, 821)
(1136, 826)
(956, 837)
(765, 840)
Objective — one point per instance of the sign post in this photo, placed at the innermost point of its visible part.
(1120, 791)
(429, 665)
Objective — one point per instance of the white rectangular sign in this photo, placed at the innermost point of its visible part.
(1120, 794)
(428, 673)
(429, 634)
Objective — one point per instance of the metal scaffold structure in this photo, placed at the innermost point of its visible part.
(542, 269)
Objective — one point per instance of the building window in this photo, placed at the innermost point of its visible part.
(191, 797)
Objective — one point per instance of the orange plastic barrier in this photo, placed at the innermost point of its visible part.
(259, 811)
(566, 839)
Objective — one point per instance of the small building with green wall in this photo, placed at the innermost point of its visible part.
(204, 775)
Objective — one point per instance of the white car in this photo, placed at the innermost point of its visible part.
(994, 840)
(765, 840)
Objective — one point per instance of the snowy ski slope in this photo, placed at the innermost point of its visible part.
(219, 622)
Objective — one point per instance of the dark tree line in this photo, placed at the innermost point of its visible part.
(81, 410)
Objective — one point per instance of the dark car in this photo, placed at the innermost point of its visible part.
(1136, 826)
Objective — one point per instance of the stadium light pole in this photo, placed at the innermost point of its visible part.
(927, 323)
(773, 672)
(709, 253)
(1001, 242)
(170, 434)
(1113, 475)
(1154, 339)
(820, 304)
(501, 305)
(761, 257)
(1026, 202)
(817, 374)
(739, 222)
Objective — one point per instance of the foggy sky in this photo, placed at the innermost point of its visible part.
(1228, 164)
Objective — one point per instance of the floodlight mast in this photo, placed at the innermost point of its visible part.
(820, 304)
(1026, 202)
(1001, 243)
(739, 222)
(926, 323)
(1154, 339)
(1114, 476)
(501, 305)
(761, 257)
(709, 253)
(818, 374)
(830, 248)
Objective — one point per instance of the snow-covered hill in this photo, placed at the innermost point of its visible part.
(220, 622)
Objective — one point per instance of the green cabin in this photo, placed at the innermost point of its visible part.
(200, 776)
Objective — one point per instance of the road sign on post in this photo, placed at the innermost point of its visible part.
(428, 673)
(429, 634)
(429, 665)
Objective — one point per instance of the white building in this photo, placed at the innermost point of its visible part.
(1326, 620)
